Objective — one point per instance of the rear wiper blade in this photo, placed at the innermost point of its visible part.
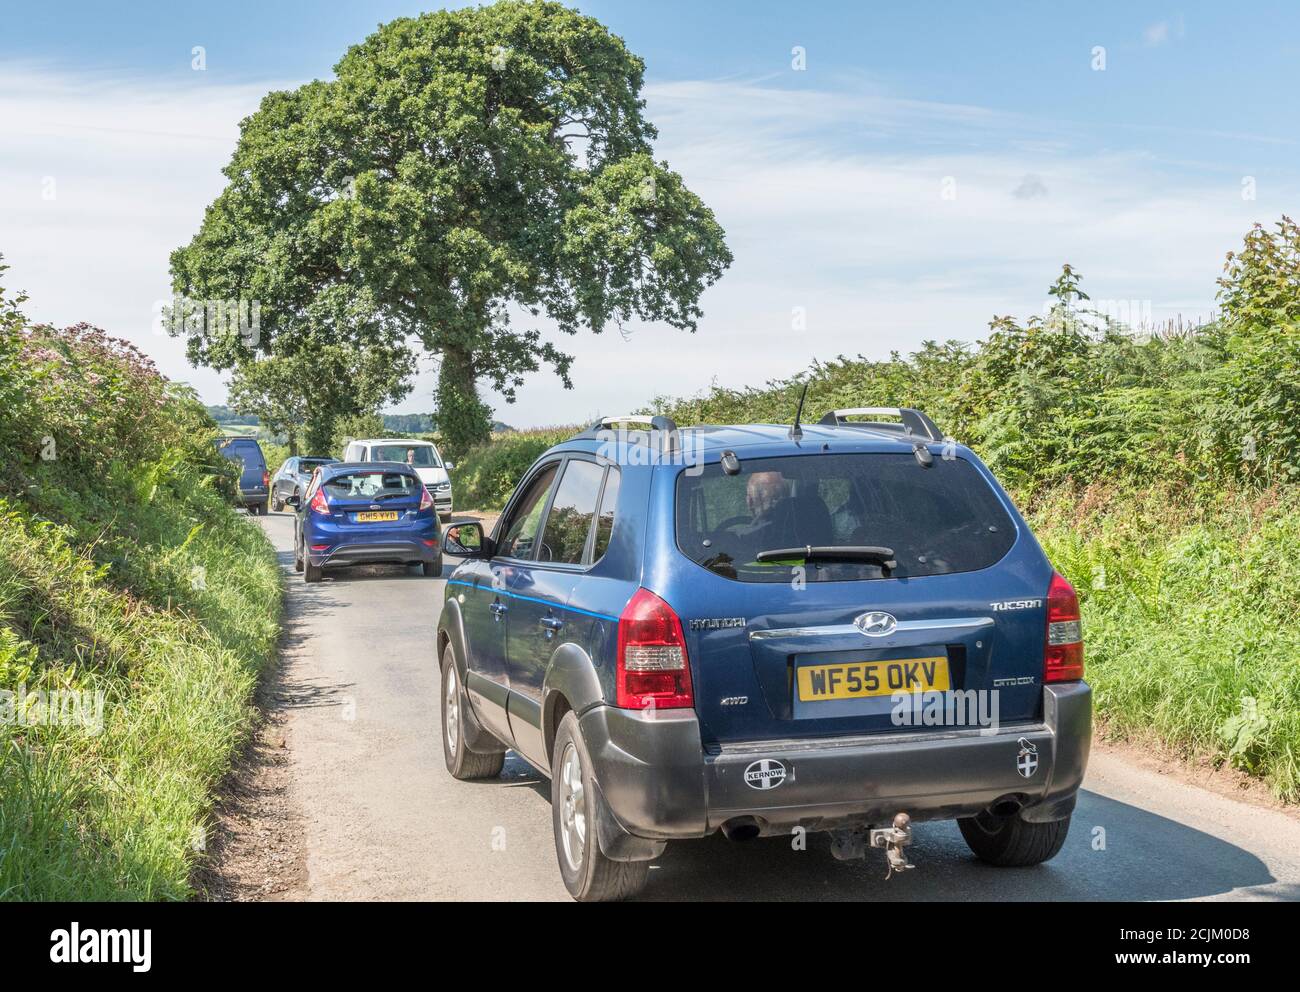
(833, 552)
(392, 496)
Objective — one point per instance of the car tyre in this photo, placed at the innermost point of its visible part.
(311, 573)
(297, 556)
(463, 763)
(588, 874)
(432, 569)
(1010, 842)
(277, 504)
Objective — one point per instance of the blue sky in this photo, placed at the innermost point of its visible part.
(830, 181)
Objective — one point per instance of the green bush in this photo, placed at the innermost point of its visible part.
(350, 428)
(1189, 619)
(488, 474)
(124, 574)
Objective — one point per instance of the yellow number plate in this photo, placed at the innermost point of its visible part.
(858, 679)
(367, 518)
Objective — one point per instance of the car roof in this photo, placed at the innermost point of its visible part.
(774, 439)
(394, 440)
(342, 468)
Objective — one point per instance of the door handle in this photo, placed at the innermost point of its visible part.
(498, 610)
(552, 624)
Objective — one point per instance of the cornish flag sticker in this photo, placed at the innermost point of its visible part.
(765, 774)
(1027, 759)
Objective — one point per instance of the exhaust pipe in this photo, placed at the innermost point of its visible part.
(1005, 807)
(740, 829)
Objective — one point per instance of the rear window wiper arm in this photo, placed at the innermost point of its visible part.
(883, 557)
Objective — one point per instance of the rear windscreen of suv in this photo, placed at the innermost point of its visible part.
(937, 520)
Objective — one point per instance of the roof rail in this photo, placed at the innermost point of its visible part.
(913, 421)
(666, 427)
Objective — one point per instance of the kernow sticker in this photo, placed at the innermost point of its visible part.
(77, 946)
(766, 773)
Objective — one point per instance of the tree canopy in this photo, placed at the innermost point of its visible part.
(465, 174)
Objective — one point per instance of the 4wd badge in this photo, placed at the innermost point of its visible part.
(1027, 759)
(766, 773)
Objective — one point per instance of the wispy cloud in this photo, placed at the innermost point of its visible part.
(1161, 32)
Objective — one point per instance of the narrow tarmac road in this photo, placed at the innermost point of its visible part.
(382, 819)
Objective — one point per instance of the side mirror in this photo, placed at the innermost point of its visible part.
(465, 539)
(449, 465)
(295, 501)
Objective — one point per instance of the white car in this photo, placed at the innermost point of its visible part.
(423, 456)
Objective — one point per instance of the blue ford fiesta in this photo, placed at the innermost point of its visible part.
(356, 513)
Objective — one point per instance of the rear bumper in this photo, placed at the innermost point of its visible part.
(248, 497)
(395, 552)
(661, 784)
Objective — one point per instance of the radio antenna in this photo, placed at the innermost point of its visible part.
(796, 432)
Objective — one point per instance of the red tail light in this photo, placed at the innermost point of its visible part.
(651, 670)
(319, 504)
(266, 478)
(1063, 659)
(426, 501)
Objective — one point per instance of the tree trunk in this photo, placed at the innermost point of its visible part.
(463, 419)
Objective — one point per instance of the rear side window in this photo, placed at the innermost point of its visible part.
(605, 522)
(371, 485)
(569, 522)
(521, 531)
(936, 521)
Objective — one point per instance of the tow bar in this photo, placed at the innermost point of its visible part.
(846, 845)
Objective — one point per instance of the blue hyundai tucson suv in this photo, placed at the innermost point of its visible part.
(762, 629)
(359, 513)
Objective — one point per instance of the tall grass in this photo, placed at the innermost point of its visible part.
(124, 572)
(122, 813)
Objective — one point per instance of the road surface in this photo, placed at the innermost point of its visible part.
(381, 818)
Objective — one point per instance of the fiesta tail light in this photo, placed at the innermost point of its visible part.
(319, 504)
(651, 671)
(426, 501)
(1063, 658)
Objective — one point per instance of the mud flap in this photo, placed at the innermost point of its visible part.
(615, 842)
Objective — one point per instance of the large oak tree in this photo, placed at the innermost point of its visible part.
(464, 168)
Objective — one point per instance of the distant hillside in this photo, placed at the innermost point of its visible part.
(224, 415)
